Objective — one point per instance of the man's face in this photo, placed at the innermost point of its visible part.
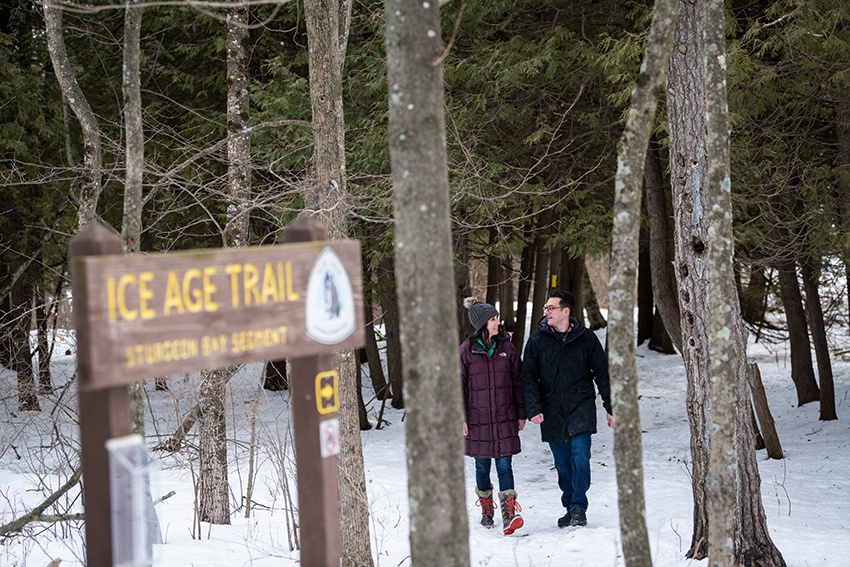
(557, 316)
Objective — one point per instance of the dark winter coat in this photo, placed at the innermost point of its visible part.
(492, 398)
(558, 379)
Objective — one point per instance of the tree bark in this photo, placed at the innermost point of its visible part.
(661, 255)
(327, 198)
(507, 297)
(213, 485)
(802, 371)
(594, 314)
(373, 354)
(72, 93)
(811, 283)
(540, 288)
(768, 426)
(686, 112)
(622, 285)
(645, 302)
(526, 272)
(439, 533)
(389, 306)
(131, 225)
(727, 339)
(20, 314)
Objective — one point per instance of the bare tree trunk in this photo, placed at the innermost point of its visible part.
(540, 287)
(622, 286)
(727, 339)
(439, 534)
(462, 285)
(802, 370)
(645, 303)
(327, 32)
(22, 352)
(768, 426)
(214, 488)
(811, 283)
(594, 314)
(43, 310)
(73, 95)
(373, 355)
(526, 272)
(661, 256)
(686, 111)
(507, 297)
(131, 226)
(572, 280)
(389, 306)
(494, 275)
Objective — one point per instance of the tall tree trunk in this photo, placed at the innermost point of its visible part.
(389, 306)
(842, 134)
(72, 93)
(43, 310)
(373, 355)
(131, 226)
(494, 268)
(439, 534)
(213, 484)
(811, 283)
(541, 280)
(727, 339)
(21, 317)
(463, 289)
(327, 32)
(526, 273)
(594, 314)
(802, 371)
(507, 297)
(622, 285)
(661, 256)
(686, 113)
(572, 280)
(645, 303)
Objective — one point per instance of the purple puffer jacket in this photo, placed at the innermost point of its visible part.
(492, 398)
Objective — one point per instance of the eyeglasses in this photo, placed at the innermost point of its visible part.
(547, 308)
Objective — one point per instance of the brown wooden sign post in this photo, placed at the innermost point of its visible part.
(138, 317)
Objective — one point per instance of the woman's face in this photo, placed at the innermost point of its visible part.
(493, 326)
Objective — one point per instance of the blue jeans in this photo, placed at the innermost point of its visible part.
(572, 461)
(503, 471)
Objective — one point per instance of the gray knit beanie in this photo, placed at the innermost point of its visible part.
(479, 312)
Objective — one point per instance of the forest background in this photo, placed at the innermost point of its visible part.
(535, 100)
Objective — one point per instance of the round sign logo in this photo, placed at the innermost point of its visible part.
(330, 316)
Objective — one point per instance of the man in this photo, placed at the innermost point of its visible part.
(561, 362)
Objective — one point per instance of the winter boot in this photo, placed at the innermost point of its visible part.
(485, 501)
(511, 520)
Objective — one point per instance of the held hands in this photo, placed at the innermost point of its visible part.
(537, 419)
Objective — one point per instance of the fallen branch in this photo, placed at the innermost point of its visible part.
(36, 514)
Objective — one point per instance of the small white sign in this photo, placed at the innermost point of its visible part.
(329, 437)
(330, 315)
(131, 505)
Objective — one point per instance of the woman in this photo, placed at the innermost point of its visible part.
(494, 410)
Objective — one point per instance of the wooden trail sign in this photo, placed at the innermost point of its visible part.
(161, 314)
(142, 316)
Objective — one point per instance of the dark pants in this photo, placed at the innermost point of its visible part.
(503, 471)
(572, 461)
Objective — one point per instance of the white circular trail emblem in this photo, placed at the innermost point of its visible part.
(330, 316)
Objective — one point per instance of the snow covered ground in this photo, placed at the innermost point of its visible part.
(806, 495)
